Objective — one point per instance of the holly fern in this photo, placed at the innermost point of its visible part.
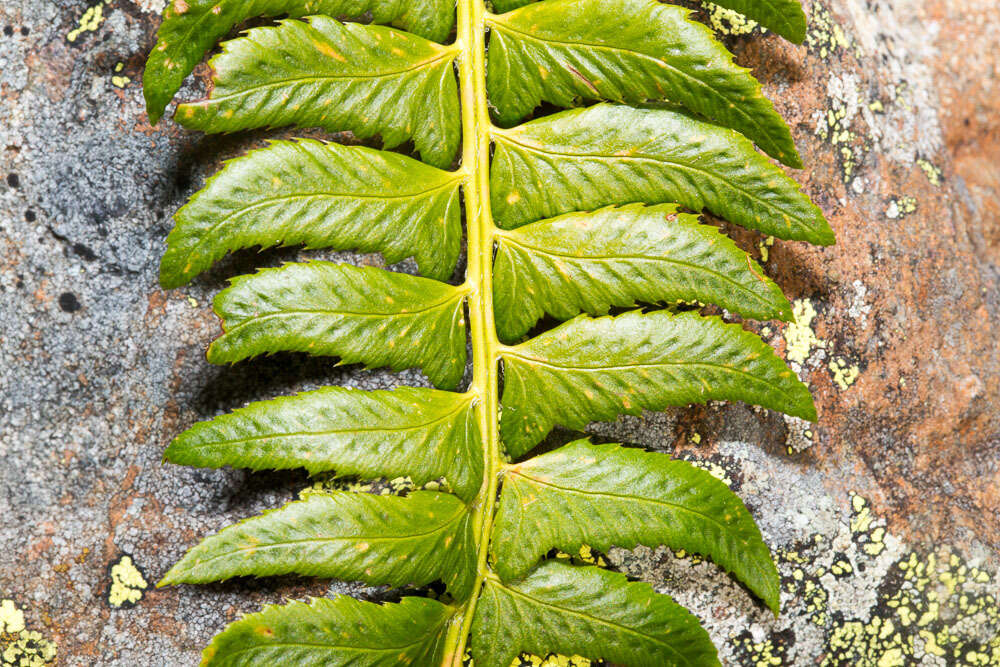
(575, 217)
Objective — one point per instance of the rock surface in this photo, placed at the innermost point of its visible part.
(884, 516)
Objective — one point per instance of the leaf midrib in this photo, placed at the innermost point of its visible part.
(360, 429)
(600, 621)
(641, 258)
(334, 313)
(293, 81)
(462, 509)
(620, 497)
(506, 136)
(624, 367)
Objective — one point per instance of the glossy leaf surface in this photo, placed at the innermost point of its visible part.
(616, 257)
(596, 369)
(423, 434)
(369, 79)
(607, 495)
(583, 159)
(784, 17)
(585, 611)
(322, 196)
(191, 27)
(342, 632)
(631, 51)
(362, 315)
(423, 537)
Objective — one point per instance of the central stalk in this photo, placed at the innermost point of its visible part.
(471, 42)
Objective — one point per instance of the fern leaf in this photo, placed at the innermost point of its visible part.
(191, 27)
(607, 495)
(630, 51)
(368, 79)
(607, 154)
(323, 196)
(423, 537)
(362, 315)
(338, 632)
(589, 262)
(785, 17)
(596, 369)
(586, 611)
(420, 433)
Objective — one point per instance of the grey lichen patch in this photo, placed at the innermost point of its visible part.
(835, 125)
(127, 583)
(799, 435)
(19, 646)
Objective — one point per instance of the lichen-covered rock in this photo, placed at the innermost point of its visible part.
(883, 516)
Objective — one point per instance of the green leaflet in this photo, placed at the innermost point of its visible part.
(417, 539)
(596, 369)
(607, 495)
(589, 262)
(368, 79)
(342, 632)
(586, 611)
(784, 17)
(421, 433)
(607, 154)
(360, 314)
(323, 196)
(630, 51)
(191, 27)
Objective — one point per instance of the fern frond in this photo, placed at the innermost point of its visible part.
(615, 257)
(418, 539)
(423, 434)
(608, 154)
(340, 632)
(368, 79)
(362, 315)
(606, 495)
(596, 369)
(323, 196)
(570, 216)
(630, 51)
(585, 611)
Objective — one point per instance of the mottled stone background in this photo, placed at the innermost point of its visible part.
(885, 516)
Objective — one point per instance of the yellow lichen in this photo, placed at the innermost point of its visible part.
(931, 171)
(799, 336)
(89, 22)
(844, 374)
(127, 583)
(20, 647)
(824, 36)
(765, 248)
(728, 21)
(900, 207)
